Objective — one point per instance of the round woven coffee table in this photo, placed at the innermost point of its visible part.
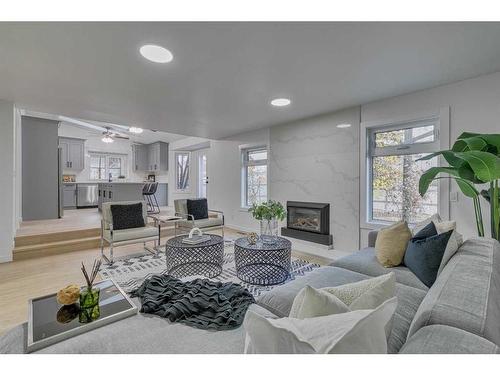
(263, 263)
(204, 259)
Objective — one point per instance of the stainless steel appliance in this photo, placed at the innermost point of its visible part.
(86, 195)
(60, 184)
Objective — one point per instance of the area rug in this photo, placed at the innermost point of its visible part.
(130, 272)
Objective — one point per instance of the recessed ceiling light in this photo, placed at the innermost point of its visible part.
(156, 54)
(136, 130)
(343, 126)
(107, 139)
(280, 102)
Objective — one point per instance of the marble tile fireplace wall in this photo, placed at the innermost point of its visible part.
(313, 160)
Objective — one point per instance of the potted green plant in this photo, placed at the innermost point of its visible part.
(473, 160)
(268, 213)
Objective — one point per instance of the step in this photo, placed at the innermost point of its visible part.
(35, 249)
(48, 238)
(56, 247)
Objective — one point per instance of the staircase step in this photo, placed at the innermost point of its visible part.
(48, 238)
(56, 247)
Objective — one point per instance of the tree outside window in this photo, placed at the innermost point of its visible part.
(254, 176)
(395, 173)
(182, 161)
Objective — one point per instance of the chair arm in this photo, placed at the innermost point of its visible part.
(187, 216)
(219, 212)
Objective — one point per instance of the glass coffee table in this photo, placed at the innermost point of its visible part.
(263, 263)
(49, 322)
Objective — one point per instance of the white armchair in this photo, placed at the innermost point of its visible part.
(122, 237)
(214, 221)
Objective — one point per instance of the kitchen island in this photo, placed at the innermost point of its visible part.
(128, 191)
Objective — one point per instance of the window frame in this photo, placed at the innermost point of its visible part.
(107, 156)
(176, 172)
(440, 120)
(245, 163)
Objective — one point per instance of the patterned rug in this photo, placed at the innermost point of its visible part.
(130, 272)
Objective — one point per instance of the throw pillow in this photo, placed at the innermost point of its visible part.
(423, 256)
(360, 331)
(454, 242)
(391, 244)
(420, 225)
(198, 208)
(127, 216)
(366, 294)
(428, 231)
(311, 302)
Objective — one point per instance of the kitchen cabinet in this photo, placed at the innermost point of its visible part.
(151, 157)
(73, 153)
(141, 157)
(128, 191)
(69, 196)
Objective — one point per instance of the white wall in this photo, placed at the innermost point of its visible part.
(94, 143)
(224, 173)
(18, 171)
(474, 106)
(7, 180)
(314, 161)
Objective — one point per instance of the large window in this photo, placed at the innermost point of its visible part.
(254, 176)
(102, 166)
(182, 161)
(394, 171)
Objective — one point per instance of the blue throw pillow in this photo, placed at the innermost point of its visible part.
(423, 256)
(427, 231)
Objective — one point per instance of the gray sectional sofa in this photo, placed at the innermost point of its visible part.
(460, 313)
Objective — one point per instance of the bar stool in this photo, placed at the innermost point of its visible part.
(148, 192)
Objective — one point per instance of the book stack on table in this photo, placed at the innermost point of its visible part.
(195, 240)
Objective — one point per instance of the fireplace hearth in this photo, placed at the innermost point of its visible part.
(308, 221)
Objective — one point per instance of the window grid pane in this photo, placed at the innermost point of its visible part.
(395, 189)
(256, 181)
(420, 134)
(182, 171)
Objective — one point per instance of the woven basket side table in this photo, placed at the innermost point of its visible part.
(204, 259)
(263, 263)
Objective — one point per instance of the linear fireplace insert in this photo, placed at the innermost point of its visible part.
(308, 221)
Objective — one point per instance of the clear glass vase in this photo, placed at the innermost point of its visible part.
(269, 231)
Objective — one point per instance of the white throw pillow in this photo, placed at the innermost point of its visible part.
(455, 241)
(366, 294)
(311, 302)
(361, 331)
(421, 225)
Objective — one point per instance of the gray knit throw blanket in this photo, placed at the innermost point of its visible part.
(200, 303)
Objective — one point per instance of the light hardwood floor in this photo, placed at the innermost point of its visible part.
(25, 279)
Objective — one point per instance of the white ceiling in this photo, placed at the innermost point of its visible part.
(224, 74)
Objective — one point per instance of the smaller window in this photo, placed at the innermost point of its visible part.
(103, 166)
(182, 165)
(254, 176)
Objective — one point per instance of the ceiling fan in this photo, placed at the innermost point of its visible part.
(108, 136)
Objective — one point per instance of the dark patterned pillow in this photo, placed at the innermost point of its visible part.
(198, 208)
(126, 216)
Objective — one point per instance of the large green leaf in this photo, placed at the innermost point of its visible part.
(493, 140)
(469, 144)
(448, 155)
(486, 166)
(431, 174)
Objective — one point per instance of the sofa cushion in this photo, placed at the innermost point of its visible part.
(202, 223)
(409, 300)
(140, 334)
(198, 208)
(466, 294)
(364, 261)
(131, 234)
(439, 339)
(280, 299)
